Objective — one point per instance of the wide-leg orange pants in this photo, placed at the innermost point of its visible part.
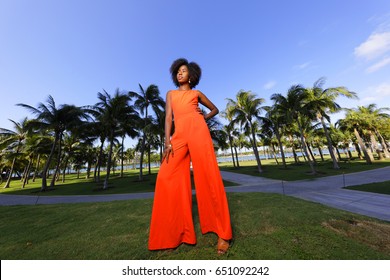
(171, 221)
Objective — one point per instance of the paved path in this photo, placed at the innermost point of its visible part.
(327, 190)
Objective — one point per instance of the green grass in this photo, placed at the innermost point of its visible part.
(81, 186)
(130, 182)
(302, 171)
(265, 226)
(382, 187)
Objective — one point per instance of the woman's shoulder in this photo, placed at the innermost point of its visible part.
(200, 93)
(197, 92)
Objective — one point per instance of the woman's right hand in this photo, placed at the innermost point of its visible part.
(167, 151)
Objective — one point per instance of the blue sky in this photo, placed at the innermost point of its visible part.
(74, 49)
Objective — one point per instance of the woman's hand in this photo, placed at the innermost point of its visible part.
(167, 151)
(201, 112)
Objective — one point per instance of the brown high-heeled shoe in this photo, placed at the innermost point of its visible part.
(222, 246)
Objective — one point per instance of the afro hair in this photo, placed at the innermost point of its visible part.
(194, 70)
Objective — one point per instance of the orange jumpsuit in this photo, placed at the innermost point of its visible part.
(171, 222)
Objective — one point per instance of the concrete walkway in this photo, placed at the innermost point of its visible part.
(327, 191)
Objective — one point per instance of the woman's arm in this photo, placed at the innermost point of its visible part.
(168, 127)
(210, 105)
(168, 119)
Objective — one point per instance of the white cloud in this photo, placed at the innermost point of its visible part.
(383, 90)
(368, 100)
(375, 46)
(379, 65)
(303, 65)
(269, 85)
(376, 93)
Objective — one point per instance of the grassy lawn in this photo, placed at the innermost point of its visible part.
(81, 186)
(130, 182)
(265, 226)
(382, 188)
(301, 171)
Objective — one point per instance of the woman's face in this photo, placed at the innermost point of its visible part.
(183, 75)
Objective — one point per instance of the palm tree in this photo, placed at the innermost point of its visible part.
(98, 130)
(130, 155)
(111, 113)
(54, 121)
(355, 122)
(217, 135)
(13, 141)
(153, 130)
(274, 121)
(33, 147)
(161, 130)
(232, 133)
(44, 143)
(71, 146)
(246, 110)
(144, 99)
(296, 108)
(128, 128)
(87, 153)
(228, 129)
(375, 118)
(323, 101)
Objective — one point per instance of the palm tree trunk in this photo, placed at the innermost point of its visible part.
(330, 146)
(105, 186)
(53, 180)
(357, 148)
(349, 154)
(36, 167)
(296, 158)
(383, 144)
(311, 153)
(122, 156)
(64, 170)
(303, 152)
(305, 148)
(256, 152)
(231, 150)
(375, 146)
(142, 157)
(99, 163)
(320, 152)
(95, 171)
(368, 158)
(278, 137)
(149, 163)
(338, 152)
(274, 154)
(24, 172)
(238, 163)
(89, 166)
(48, 162)
(27, 174)
(8, 183)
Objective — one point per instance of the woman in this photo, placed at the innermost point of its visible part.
(171, 222)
